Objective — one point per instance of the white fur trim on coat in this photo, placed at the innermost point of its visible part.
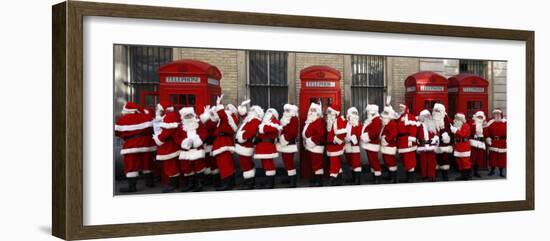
(497, 150)
(250, 173)
(287, 148)
(349, 148)
(140, 126)
(316, 149)
(266, 156)
(388, 150)
(231, 121)
(223, 149)
(335, 153)
(407, 150)
(276, 126)
(239, 136)
(340, 131)
(168, 156)
(426, 148)
(444, 149)
(243, 150)
(462, 154)
(138, 150)
(282, 140)
(411, 139)
(477, 144)
(171, 125)
(192, 154)
(370, 147)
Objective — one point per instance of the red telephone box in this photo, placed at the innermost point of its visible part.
(319, 84)
(468, 94)
(424, 89)
(189, 83)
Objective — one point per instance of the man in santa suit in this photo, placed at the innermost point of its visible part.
(244, 145)
(445, 148)
(313, 136)
(265, 148)
(388, 139)
(496, 139)
(191, 137)
(477, 141)
(135, 128)
(286, 144)
(212, 174)
(370, 140)
(335, 140)
(168, 149)
(223, 145)
(351, 149)
(462, 150)
(427, 142)
(406, 141)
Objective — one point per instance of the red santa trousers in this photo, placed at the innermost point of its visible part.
(316, 162)
(409, 160)
(443, 159)
(225, 164)
(479, 157)
(390, 162)
(135, 162)
(374, 162)
(497, 159)
(269, 166)
(288, 160)
(354, 161)
(463, 163)
(170, 167)
(335, 166)
(428, 164)
(192, 167)
(247, 166)
(210, 163)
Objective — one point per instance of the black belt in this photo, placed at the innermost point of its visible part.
(478, 138)
(223, 134)
(269, 140)
(136, 136)
(498, 138)
(292, 142)
(210, 140)
(459, 140)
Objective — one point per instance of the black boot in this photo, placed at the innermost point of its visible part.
(476, 173)
(132, 183)
(501, 172)
(292, 181)
(188, 183)
(409, 178)
(249, 183)
(393, 176)
(207, 180)
(492, 172)
(216, 180)
(356, 178)
(376, 179)
(319, 181)
(173, 184)
(270, 182)
(199, 180)
(225, 184)
(445, 175)
(334, 181)
(149, 179)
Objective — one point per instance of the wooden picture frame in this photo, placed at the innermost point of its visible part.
(67, 123)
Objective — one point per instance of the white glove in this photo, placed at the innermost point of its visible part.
(347, 139)
(353, 139)
(446, 138)
(409, 144)
(489, 141)
(246, 102)
(219, 100)
(337, 140)
(309, 142)
(186, 144)
(197, 142)
(365, 137)
(383, 141)
(454, 129)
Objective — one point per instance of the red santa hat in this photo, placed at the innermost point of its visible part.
(165, 106)
(352, 111)
(334, 108)
(130, 108)
(497, 111)
(461, 117)
(317, 108)
(405, 107)
(273, 112)
(479, 114)
(257, 110)
(371, 108)
(388, 109)
(186, 110)
(291, 109)
(439, 107)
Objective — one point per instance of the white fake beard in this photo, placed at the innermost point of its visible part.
(190, 124)
(369, 119)
(353, 120)
(479, 127)
(286, 118)
(267, 118)
(331, 119)
(311, 117)
(430, 124)
(439, 119)
(386, 120)
(457, 124)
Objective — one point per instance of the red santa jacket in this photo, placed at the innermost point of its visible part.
(370, 135)
(388, 138)
(427, 140)
(461, 141)
(136, 130)
(313, 136)
(336, 137)
(445, 136)
(406, 133)
(353, 135)
(478, 135)
(168, 147)
(191, 142)
(287, 138)
(225, 130)
(268, 131)
(245, 135)
(496, 136)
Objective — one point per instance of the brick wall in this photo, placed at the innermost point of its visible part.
(498, 82)
(398, 69)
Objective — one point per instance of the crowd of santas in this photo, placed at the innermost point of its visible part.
(200, 148)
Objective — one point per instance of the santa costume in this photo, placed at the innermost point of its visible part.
(191, 137)
(406, 141)
(223, 145)
(135, 129)
(336, 135)
(286, 144)
(477, 142)
(351, 149)
(445, 148)
(388, 139)
(313, 136)
(370, 140)
(265, 149)
(212, 174)
(496, 139)
(462, 150)
(168, 149)
(244, 145)
(428, 140)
